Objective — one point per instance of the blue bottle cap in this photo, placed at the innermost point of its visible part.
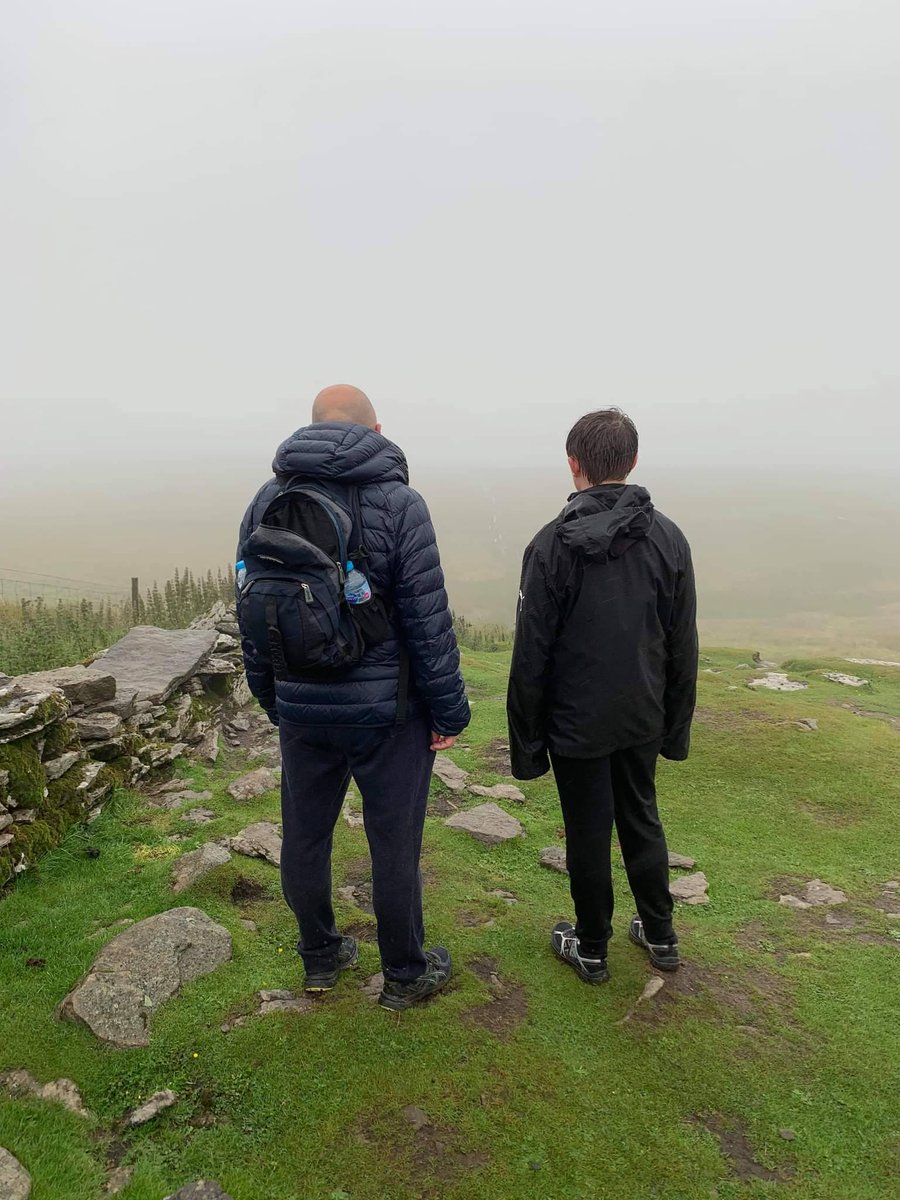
(349, 566)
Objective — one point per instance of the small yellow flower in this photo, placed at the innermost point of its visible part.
(281, 949)
(195, 1055)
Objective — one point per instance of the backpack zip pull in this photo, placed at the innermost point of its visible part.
(307, 593)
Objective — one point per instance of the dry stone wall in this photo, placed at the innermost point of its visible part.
(69, 736)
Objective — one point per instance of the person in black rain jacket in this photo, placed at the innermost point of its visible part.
(603, 681)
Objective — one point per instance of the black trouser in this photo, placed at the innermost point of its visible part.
(392, 769)
(593, 793)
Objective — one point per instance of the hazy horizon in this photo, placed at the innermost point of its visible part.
(490, 220)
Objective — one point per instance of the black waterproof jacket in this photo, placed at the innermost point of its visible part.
(403, 566)
(605, 653)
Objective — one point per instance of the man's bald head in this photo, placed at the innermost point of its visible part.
(344, 403)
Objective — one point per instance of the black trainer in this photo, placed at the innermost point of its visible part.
(663, 956)
(396, 996)
(324, 979)
(565, 946)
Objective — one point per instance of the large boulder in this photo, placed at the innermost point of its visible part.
(487, 823)
(154, 662)
(142, 968)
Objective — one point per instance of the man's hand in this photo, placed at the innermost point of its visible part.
(440, 742)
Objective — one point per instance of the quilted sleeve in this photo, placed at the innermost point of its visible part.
(420, 603)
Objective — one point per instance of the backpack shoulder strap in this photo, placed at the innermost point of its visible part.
(356, 511)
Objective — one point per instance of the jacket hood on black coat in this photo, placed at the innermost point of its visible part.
(605, 521)
(341, 451)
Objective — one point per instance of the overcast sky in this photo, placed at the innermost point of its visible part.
(491, 216)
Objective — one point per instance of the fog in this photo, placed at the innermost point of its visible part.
(491, 217)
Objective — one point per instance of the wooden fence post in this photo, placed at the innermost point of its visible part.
(135, 600)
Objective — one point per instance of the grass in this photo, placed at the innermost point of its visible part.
(780, 1022)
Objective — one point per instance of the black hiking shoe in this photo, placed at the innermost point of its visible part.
(564, 942)
(396, 996)
(324, 979)
(664, 957)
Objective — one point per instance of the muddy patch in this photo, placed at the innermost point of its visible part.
(248, 891)
(470, 919)
(357, 887)
(749, 993)
(738, 1152)
(441, 806)
(429, 1155)
(505, 1009)
(495, 756)
(362, 931)
(734, 720)
(869, 715)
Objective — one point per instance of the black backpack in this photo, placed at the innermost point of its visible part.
(291, 603)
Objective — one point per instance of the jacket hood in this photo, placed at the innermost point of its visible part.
(341, 451)
(606, 521)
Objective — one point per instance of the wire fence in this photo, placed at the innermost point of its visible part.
(17, 583)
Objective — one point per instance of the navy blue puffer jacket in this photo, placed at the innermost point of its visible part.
(403, 566)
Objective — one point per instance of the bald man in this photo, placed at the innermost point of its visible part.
(379, 721)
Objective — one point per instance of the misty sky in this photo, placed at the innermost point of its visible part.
(489, 215)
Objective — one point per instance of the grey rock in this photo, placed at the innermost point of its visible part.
(151, 1108)
(239, 724)
(788, 901)
(217, 665)
(449, 773)
(15, 1182)
(172, 785)
(97, 726)
(5, 840)
(176, 799)
(275, 1000)
(354, 820)
(203, 1189)
(58, 1091)
(487, 823)
(260, 840)
(5, 819)
(154, 662)
(225, 642)
(691, 889)
(679, 860)
(776, 681)
(188, 869)
(499, 791)
(181, 718)
(253, 784)
(249, 925)
(118, 1181)
(373, 986)
(240, 691)
(554, 858)
(807, 723)
(508, 897)
(79, 685)
(207, 746)
(853, 681)
(23, 816)
(816, 892)
(57, 767)
(140, 969)
(4, 782)
(199, 816)
(164, 755)
(107, 751)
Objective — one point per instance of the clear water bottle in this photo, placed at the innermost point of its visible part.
(240, 573)
(356, 586)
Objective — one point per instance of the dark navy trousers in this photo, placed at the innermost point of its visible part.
(392, 769)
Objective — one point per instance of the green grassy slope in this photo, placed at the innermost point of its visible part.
(781, 1023)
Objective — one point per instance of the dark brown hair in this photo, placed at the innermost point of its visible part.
(605, 443)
